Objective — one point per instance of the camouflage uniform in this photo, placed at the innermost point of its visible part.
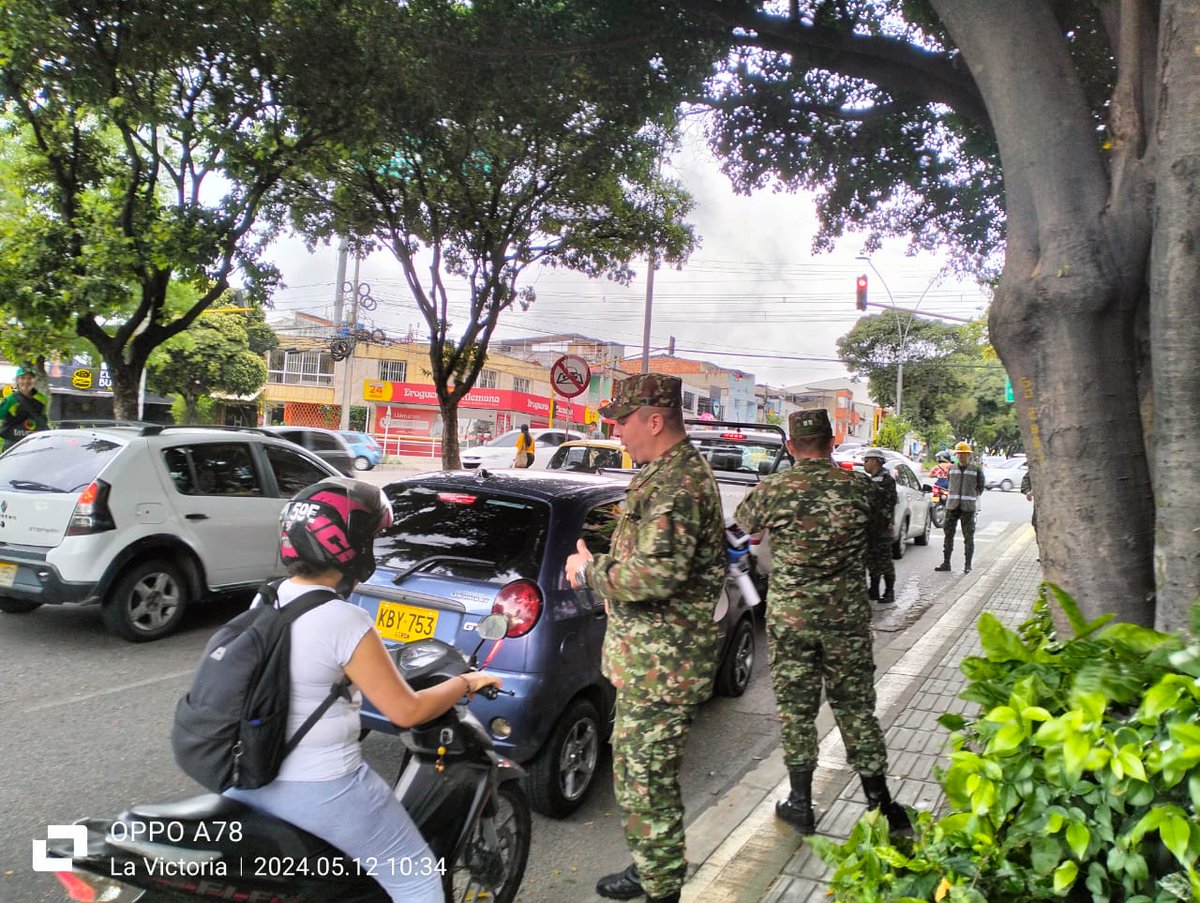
(662, 579)
(818, 622)
(879, 548)
(1027, 489)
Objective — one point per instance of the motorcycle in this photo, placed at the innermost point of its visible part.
(937, 506)
(465, 798)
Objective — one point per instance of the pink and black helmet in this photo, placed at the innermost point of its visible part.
(333, 523)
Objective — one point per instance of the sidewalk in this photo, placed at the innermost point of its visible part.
(742, 853)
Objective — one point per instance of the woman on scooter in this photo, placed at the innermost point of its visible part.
(324, 786)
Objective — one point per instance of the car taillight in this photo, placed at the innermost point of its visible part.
(520, 602)
(91, 514)
(846, 465)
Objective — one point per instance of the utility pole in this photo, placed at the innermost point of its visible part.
(649, 307)
(340, 292)
(348, 364)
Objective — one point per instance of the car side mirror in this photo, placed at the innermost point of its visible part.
(925, 487)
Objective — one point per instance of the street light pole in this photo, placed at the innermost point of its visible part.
(901, 329)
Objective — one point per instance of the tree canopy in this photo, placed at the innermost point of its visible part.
(1062, 135)
(551, 157)
(148, 140)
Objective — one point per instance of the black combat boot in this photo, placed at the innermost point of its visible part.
(944, 566)
(622, 886)
(873, 588)
(889, 592)
(967, 566)
(878, 797)
(669, 898)
(797, 809)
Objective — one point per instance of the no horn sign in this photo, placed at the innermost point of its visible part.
(570, 375)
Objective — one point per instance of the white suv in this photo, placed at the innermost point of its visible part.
(143, 521)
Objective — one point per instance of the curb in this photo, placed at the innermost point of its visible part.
(740, 847)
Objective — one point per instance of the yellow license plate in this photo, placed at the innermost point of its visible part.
(404, 623)
(8, 573)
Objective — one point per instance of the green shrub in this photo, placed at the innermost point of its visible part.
(1079, 780)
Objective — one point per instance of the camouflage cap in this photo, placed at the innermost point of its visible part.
(654, 390)
(813, 422)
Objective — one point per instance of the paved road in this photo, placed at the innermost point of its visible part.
(86, 719)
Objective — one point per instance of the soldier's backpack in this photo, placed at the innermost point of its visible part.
(230, 729)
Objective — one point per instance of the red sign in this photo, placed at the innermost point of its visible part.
(424, 395)
(570, 375)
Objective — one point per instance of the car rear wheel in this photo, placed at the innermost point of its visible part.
(18, 606)
(147, 602)
(361, 463)
(1006, 485)
(564, 772)
(923, 539)
(899, 545)
(733, 675)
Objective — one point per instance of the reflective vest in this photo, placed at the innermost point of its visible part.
(965, 485)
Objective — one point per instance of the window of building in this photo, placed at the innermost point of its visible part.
(300, 368)
(488, 379)
(393, 371)
(520, 384)
(689, 401)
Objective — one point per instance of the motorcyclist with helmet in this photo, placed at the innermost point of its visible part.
(324, 786)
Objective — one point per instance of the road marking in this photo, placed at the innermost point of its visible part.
(82, 697)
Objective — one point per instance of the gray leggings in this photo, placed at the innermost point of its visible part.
(359, 815)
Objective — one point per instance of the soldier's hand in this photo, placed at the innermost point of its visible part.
(576, 562)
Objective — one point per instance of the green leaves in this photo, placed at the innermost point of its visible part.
(1079, 775)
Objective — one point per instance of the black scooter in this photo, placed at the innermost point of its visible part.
(466, 800)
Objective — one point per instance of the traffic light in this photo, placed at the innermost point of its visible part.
(861, 293)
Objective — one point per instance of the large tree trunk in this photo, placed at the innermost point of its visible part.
(1063, 317)
(126, 386)
(1175, 315)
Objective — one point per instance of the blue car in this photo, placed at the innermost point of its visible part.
(366, 450)
(466, 544)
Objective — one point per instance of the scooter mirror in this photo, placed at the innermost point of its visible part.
(493, 627)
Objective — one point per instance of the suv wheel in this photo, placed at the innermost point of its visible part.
(146, 602)
(923, 539)
(563, 773)
(733, 676)
(898, 547)
(18, 606)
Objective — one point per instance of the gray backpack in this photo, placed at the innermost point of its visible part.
(230, 729)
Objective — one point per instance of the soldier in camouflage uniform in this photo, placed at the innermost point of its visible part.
(818, 622)
(879, 547)
(661, 582)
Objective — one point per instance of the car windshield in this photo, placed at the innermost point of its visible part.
(464, 532)
(504, 439)
(737, 452)
(56, 462)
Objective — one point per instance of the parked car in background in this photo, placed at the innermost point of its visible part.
(465, 545)
(498, 453)
(1007, 475)
(143, 521)
(590, 456)
(366, 450)
(740, 455)
(913, 517)
(328, 445)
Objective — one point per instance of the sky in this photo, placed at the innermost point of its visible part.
(753, 296)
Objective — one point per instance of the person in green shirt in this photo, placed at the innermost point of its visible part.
(24, 411)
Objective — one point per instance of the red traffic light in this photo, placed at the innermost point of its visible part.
(861, 293)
